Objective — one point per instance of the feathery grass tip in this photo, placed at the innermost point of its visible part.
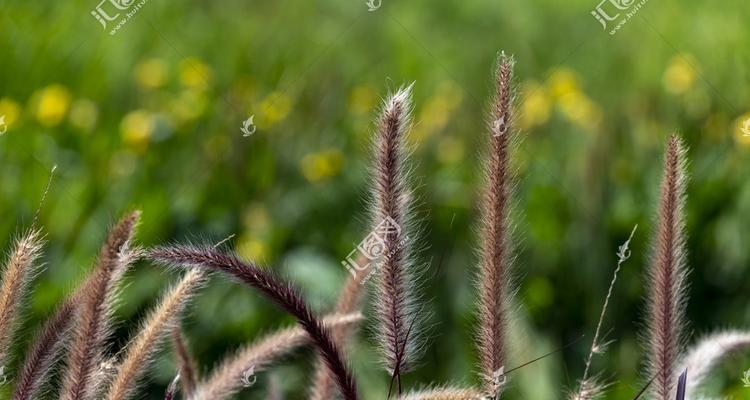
(666, 276)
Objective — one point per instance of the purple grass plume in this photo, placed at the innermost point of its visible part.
(493, 280)
(281, 292)
(666, 276)
(95, 306)
(396, 313)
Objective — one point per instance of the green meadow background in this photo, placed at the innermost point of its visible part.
(149, 119)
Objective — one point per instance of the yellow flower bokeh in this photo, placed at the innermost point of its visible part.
(563, 81)
(742, 130)
(321, 165)
(10, 111)
(52, 104)
(151, 73)
(535, 105)
(580, 109)
(437, 111)
(251, 249)
(256, 219)
(273, 108)
(188, 105)
(564, 87)
(195, 74)
(680, 75)
(136, 129)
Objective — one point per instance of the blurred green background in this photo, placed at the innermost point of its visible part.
(150, 118)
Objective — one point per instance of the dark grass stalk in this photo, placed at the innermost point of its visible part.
(666, 276)
(323, 386)
(95, 307)
(494, 271)
(44, 352)
(273, 287)
(396, 376)
(394, 299)
(681, 383)
(44, 196)
(185, 362)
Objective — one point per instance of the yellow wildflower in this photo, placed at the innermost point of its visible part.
(433, 117)
(251, 249)
(680, 75)
(436, 112)
(580, 109)
(742, 129)
(9, 111)
(535, 105)
(52, 105)
(188, 105)
(151, 73)
(136, 129)
(274, 108)
(195, 74)
(563, 81)
(256, 219)
(321, 165)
